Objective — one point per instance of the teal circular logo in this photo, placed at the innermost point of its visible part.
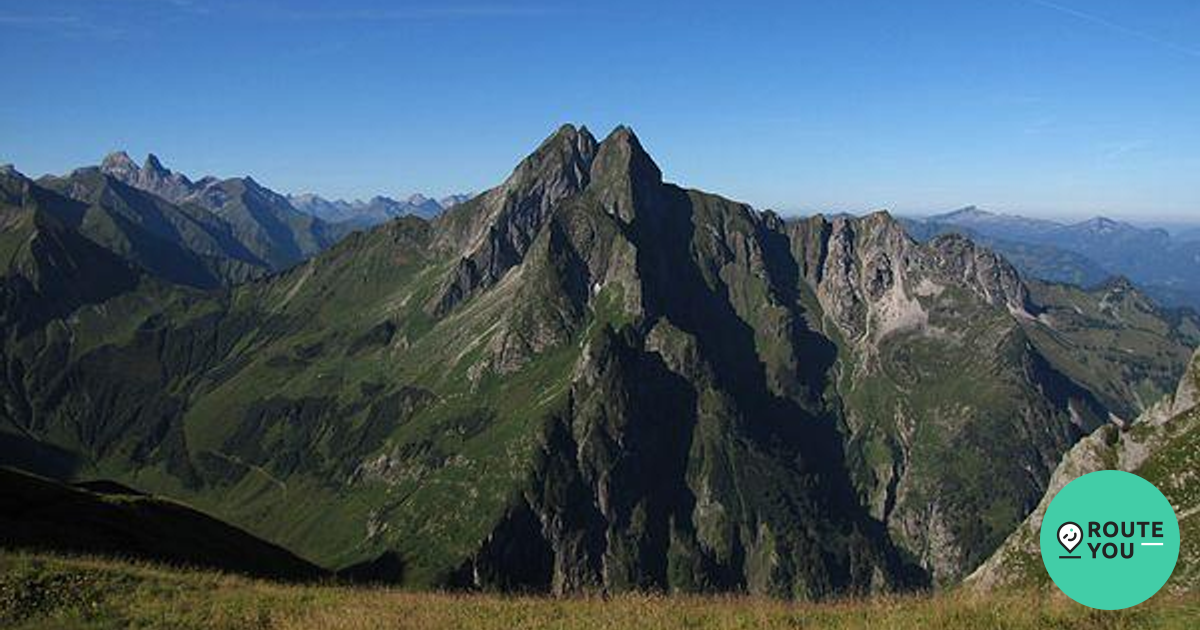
(1110, 540)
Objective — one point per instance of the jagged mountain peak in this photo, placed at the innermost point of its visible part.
(117, 158)
(878, 226)
(492, 232)
(623, 147)
(13, 185)
(625, 175)
(1118, 285)
(568, 132)
(877, 219)
(151, 177)
(867, 271)
(119, 165)
(153, 164)
(560, 165)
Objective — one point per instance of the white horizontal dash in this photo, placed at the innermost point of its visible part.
(1151, 544)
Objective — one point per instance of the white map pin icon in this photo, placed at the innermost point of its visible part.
(1069, 536)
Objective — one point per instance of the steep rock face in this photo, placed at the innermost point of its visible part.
(1160, 446)
(650, 475)
(626, 177)
(491, 233)
(151, 177)
(868, 272)
(579, 263)
(1188, 395)
(938, 377)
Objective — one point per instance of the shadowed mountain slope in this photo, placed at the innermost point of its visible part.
(588, 379)
(1162, 446)
(111, 520)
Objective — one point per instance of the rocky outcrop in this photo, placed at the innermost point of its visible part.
(962, 310)
(1014, 562)
(868, 273)
(490, 234)
(1164, 434)
(151, 177)
(1188, 394)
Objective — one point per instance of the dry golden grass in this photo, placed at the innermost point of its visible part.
(53, 592)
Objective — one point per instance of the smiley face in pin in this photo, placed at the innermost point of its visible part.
(1069, 536)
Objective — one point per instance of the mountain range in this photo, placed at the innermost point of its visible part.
(202, 234)
(377, 210)
(1087, 253)
(1188, 235)
(585, 379)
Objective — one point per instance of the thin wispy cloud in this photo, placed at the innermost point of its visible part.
(38, 20)
(71, 26)
(1114, 151)
(1040, 126)
(186, 6)
(414, 13)
(73, 21)
(1120, 28)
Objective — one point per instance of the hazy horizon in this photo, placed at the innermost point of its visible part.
(1063, 110)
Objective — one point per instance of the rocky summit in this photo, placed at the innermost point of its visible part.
(583, 380)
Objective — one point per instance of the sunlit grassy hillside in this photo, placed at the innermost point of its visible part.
(39, 591)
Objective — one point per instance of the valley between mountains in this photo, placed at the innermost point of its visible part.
(583, 380)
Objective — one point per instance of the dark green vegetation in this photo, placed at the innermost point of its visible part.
(1163, 447)
(107, 518)
(585, 380)
(39, 591)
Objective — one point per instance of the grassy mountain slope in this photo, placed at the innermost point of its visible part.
(587, 379)
(181, 244)
(1162, 446)
(49, 270)
(202, 234)
(112, 520)
(265, 223)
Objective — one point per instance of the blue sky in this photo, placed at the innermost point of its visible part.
(1064, 108)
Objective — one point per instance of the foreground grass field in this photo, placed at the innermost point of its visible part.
(39, 591)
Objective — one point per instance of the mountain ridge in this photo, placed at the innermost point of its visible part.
(203, 234)
(618, 383)
(1085, 252)
(378, 209)
(108, 519)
